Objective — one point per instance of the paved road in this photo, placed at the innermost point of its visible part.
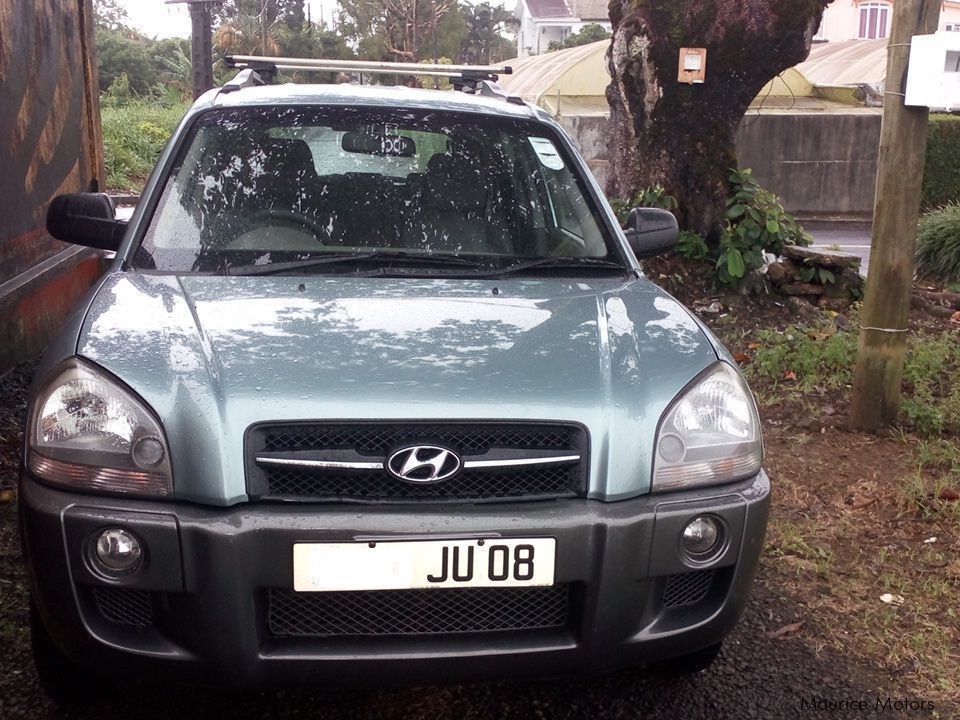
(851, 237)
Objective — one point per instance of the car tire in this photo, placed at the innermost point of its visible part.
(66, 682)
(687, 664)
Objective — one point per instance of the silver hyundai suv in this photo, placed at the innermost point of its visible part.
(375, 390)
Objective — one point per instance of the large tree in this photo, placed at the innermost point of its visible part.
(394, 29)
(484, 42)
(683, 136)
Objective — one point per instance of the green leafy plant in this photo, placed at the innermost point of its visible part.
(938, 244)
(756, 224)
(693, 247)
(809, 272)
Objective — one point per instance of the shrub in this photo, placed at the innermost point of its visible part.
(693, 247)
(134, 134)
(938, 245)
(941, 175)
(756, 224)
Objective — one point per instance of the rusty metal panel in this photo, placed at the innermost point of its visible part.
(50, 143)
(49, 119)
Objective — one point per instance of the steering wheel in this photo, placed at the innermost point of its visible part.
(290, 218)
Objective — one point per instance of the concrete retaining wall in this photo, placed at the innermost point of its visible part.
(821, 165)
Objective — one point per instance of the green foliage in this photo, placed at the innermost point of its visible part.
(941, 175)
(483, 42)
(126, 52)
(693, 247)
(465, 32)
(756, 224)
(591, 32)
(134, 134)
(938, 245)
(824, 357)
(651, 197)
(809, 272)
(109, 15)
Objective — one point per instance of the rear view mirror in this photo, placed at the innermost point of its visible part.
(652, 231)
(383, 145)
(85, 219)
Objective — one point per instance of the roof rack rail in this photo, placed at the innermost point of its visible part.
(250, 77)
(468, 78)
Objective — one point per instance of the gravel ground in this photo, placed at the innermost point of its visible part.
(760, 674)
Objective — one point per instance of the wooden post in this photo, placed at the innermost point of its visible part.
(201, 43)
(201, 48)
(875, 402)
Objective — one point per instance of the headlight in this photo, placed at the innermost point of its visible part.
(88, 433)
(710, 435)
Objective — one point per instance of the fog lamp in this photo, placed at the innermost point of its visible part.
(118, 551)
(701, 536)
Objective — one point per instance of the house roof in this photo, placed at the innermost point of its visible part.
(591, 10)
(548, 8)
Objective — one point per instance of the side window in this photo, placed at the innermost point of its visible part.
(575, 229)
(565, 216)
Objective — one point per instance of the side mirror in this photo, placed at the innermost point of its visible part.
(651, 232)
(85, 219)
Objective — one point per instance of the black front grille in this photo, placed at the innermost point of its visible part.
(374, 442)
(687, 588)
(416, 612)
(125, 607)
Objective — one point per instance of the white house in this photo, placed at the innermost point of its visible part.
(546, 21)
(870, 20)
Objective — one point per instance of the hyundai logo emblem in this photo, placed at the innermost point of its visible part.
(423, 464)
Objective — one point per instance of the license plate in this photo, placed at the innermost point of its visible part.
(319, 567)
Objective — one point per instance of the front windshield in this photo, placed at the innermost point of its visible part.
(255, 186)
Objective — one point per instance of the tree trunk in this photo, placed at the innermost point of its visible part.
(683, 136)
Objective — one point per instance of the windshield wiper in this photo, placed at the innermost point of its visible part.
(553, 263)
(385, 256)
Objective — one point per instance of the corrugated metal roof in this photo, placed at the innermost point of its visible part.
(535, 75)
(854, 62)
(574, 80)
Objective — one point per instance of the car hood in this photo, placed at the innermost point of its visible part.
(213, 355)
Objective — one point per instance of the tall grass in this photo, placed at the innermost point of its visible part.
(938, 244)
(134, 134)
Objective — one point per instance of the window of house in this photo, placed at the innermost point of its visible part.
(952, 28)
(875, 20)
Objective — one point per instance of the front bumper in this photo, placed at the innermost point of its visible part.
(209, 572)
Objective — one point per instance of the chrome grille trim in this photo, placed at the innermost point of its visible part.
(348, 461)
(467, 464)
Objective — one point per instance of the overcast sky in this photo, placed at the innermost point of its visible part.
(157, 19)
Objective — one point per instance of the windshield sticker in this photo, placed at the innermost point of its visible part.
(547, 153)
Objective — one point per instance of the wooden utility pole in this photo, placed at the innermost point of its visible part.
(201, 45)
(883, 328)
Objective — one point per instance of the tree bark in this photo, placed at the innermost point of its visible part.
(681, 136)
